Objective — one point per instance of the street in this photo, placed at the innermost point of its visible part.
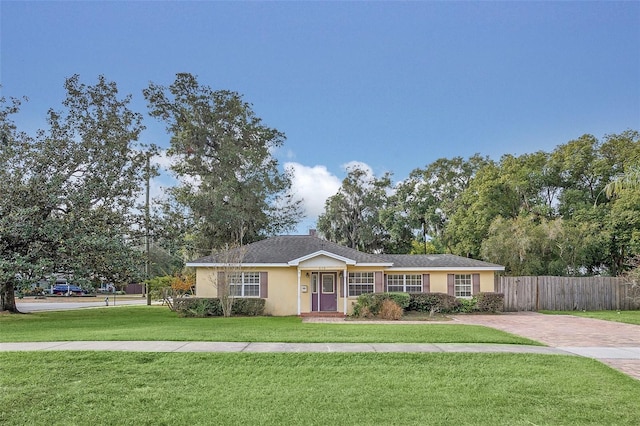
(65, 303)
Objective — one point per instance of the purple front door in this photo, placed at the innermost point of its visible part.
(324, 295)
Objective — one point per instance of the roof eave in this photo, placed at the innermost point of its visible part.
(446, 268)
(244, 265)
(296, 262)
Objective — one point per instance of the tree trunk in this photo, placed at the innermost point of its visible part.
(8, 298)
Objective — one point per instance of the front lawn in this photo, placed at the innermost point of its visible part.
(159, 323)
(629, 317)
(108, 388)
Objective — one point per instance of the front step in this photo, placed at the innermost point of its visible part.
(317, 314)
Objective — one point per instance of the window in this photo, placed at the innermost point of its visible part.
(462, 285)
(244, 284)
(328, 284)
(404, 283)
(314, 282)
(360, 282)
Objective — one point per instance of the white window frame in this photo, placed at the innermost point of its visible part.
(361, 283)
(333, 284)
(463, 285)
(247, 284)
(401, 281)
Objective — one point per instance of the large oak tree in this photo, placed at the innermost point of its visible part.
(68, 193)
(231, 188)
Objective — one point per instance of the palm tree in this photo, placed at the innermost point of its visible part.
(628, 180)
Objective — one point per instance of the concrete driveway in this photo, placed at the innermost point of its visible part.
(610, 342)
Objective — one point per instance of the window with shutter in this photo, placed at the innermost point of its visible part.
(404, 283)
(462, 285)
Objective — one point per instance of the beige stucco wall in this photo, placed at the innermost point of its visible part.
(282, 297)
(205, 282)
(438, 280)
(283, 294)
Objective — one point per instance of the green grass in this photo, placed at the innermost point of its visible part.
(629, 317)
(109, 388)
(159, 323)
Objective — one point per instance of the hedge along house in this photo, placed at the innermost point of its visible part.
(304, 275)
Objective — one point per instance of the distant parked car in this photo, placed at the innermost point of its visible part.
(67, 289)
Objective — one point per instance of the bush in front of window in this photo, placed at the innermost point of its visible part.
(212, 307)
(370, 304)
(364, 305)
(433, 303)
(401, 299)
(490, 302)
(249, 307)
(467, 306)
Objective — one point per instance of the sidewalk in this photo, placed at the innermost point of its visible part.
(172, 346)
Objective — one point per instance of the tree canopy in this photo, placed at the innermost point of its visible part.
(572, 211)
(68, 193)
(352, 216)
(231, 189)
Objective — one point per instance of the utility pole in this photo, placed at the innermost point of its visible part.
(424, 234)
(146, 228)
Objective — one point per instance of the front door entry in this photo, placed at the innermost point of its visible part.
(324, 295)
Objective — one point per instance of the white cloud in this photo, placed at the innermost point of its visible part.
(313, 185)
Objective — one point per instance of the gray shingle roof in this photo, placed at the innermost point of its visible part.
(436, 261)
(286, 248)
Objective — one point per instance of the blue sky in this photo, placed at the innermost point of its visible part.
(393, 85)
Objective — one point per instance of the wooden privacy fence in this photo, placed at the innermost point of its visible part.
(134, 289)
(566, 293)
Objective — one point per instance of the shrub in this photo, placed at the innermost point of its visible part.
(490, 302)
(366, 312)
(183, 284)
(467, 306)
(198, 307)
(157, 284)
(361, 311)
(401, 299)
(248, 307)
(37, 291)
(390, 310)
(364, 307)
(433, 302)
(370, 304)
(212, 307)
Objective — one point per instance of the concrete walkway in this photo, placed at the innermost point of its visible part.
(172, 346)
